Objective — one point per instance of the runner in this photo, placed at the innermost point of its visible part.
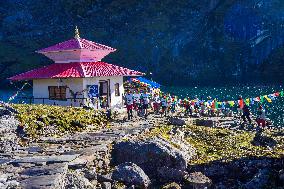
(156, 103)
(187, 106)
(246, 114)
(136, 99)
(164, 104)
(261, 119)
(173, 104)
(129, 104)
(240, 106)
(145, 101)
(169, 102)
(202, 110)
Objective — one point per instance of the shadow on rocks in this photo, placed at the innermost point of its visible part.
(261, 140)
(249, 173)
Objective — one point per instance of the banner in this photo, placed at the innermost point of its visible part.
(93, 91)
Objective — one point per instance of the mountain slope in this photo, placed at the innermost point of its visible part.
(181, 42)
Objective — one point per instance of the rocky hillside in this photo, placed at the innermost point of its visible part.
(180, 42)
(40, 148)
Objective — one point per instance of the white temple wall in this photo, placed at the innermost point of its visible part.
(41, 93)
(115, 101)
(40, 90)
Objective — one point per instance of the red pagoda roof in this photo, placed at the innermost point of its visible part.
(76, 43)
(76, 70)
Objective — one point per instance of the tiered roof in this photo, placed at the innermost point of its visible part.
(76, 70)
(79, 68)
(76, 43)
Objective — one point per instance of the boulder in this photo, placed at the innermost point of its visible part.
(259, 180)
(104, 178)
(157, 157)
(262, 140)
(4, 112)
(7, 110)
(172, 185)
(91, 174)
(131, 174)
(176, 121)
(106, 185)
(76, 181)
(204, 122)
(197, 180)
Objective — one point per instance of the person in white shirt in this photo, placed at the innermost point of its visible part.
(156, 103)
(164, 104)
(145, 99)
(129, 104)
(261, 118)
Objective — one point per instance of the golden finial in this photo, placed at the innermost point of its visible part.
(77, 34)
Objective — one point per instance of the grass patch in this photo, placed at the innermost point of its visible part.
(224, 144)
(37, 119)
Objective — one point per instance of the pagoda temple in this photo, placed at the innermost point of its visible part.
(78, 77)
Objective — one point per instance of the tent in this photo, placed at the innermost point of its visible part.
(143, 81)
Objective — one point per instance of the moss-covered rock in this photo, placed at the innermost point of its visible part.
(55, 120)
(224, 144)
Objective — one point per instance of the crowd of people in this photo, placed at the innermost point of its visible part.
(138, 102)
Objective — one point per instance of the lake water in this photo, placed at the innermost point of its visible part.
(275, 110)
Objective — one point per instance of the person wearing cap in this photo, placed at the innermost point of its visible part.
(261, 119)
(129, 104)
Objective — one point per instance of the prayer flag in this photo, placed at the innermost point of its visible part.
(272, 96)
(247, 101)
(257, 99)
(216, 104)
(261, 99)
(267, 98)
(231, 103)
(223, 105)
(241, 103)
(251, 101)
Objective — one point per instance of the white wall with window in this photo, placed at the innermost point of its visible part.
(61, 91)
(46, 91)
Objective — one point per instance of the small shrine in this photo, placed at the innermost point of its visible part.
(78, 76)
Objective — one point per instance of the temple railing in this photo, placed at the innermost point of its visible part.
(77, 102)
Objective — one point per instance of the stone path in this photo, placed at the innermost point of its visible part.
(45, 163)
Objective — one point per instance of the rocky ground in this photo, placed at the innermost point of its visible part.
(143, 153)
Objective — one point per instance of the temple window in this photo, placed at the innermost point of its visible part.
(57, 93)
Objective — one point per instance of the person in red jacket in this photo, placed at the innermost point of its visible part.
(240, 106)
